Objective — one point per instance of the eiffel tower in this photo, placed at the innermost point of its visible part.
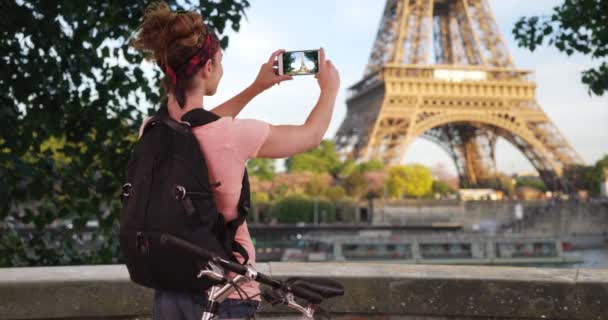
(463, 100)
(303, 68)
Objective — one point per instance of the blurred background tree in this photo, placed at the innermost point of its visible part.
(261, 168)
(288, 60)
(313, 56)
(588, 178)
(320, 159)
(409, 180)
(72, 91)
(529, 181)
(579, 26)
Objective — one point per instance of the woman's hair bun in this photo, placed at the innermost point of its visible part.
(167, 36)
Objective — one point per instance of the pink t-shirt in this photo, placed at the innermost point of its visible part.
(227, 144)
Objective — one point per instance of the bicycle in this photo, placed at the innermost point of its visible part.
(312, 290)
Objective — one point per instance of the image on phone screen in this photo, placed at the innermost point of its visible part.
(300, 62)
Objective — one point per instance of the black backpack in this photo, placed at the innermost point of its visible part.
(168, 191)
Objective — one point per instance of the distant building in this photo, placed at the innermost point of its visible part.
(529, 193)
(528, 174)
(479, 194)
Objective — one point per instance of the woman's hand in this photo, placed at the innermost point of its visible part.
(327, 77)
(267, 77)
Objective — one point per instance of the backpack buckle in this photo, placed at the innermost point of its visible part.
(179, 192)
(127, 189)
(142, 243)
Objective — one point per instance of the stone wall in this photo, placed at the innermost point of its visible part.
(555, 218)
(380, 291)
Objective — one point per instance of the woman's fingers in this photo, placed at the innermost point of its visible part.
(285, 78)
(274, 55)
(321, 58)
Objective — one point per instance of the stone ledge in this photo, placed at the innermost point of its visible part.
(457, 292)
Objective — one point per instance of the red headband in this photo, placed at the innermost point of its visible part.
(200, 57)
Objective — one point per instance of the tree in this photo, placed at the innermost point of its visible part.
(306, 162)
(261, 168)
(259, 198)
(297, 207)
(288, 60)
(411, 180)
(533, 182)
(396, 182)
(356, 185)
(372, 165)
(575, 26)
(313, 56)
(318, 160)
(599, 174)
(317, 186)
(419, 181)
(71, 90)
(335, 193)
(587, 177)
(441, 188)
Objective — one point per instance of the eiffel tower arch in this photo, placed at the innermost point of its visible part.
(469, 95)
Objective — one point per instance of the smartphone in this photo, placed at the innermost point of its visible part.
(299, 63)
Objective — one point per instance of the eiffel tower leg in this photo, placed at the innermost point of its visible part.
(389, 139)
(478, 152)
(471, 148)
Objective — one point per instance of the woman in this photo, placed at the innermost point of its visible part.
(189, 55)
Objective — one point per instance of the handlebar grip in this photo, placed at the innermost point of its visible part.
(167, 239)
(267, 280)
(232, 266)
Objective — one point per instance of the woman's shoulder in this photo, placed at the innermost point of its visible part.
(230, 124)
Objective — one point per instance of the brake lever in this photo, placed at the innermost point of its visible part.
(213, 272)
(278, 296)
(308, 312)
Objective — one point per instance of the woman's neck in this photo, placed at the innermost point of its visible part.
(192, 102)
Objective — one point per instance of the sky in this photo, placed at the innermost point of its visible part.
(347, 29)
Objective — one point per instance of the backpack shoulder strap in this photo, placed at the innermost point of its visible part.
(162, 116)
(199, 117)
(244, 205)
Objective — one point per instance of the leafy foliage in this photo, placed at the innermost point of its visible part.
(441, 188)
(575, 26)
(318, 160)
(412, 180)
(288, 60)
(372, 165)
(313, 56)
(72, 91)
(300, 208)
(261, 168)
(534, 182)
(356, 185)
(588, 177)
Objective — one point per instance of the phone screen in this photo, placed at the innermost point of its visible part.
(304, 62)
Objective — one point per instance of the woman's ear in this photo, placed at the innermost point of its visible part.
(207, 68)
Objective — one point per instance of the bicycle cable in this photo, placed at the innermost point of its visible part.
(239, 290)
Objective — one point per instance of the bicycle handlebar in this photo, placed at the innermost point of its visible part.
(201, 253)
(167, 239)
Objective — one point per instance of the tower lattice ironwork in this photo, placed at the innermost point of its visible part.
(441, 70)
